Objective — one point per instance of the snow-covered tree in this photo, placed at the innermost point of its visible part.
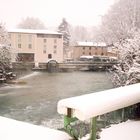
(31, 23)
(122, 17)
(64, 29)
(5, 52)
(128, 70)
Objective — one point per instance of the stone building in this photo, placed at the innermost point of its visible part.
(89, 49)
(38, 46)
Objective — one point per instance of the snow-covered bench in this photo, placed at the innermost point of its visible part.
(16, 130)
(91, 105)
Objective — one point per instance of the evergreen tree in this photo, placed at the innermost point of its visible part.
(64, 29)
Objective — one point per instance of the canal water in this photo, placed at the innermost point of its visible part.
(35, 99)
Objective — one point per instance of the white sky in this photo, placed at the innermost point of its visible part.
(51, 12)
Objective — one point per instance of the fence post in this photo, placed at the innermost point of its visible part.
(93, 129)
(67, 118)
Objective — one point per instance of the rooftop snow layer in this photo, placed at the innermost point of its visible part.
(86, 43)
(32, 31)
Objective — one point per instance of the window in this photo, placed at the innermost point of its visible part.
(44, 51)
(19, 37)
(45, 40)
(83, 48)
(89, 53)
(49, 56)
(30, 38)
(19, 45)
(83, 53)
(45, 47)
(30, 46)
(49, 35)
(9, 36)
(55, 46)
(55, 40)
(26, 57)
(55, 51)
(89, 48)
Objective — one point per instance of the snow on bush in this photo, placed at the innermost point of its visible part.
(128, 70)
(5, 53)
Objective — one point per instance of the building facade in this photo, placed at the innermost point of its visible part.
(38, 46)
(112, 51)
(89, 49)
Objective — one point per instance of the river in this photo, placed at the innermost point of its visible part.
(35, 100)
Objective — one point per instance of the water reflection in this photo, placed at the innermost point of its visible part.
(36, 101)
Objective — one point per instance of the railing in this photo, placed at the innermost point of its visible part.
(92, 105)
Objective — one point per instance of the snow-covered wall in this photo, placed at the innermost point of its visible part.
(94, 104)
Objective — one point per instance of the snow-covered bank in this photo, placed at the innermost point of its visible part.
(129, 130)
(16, 130)
(19, 82)
(29, 75)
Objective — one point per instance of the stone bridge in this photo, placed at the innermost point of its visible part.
(86, 66)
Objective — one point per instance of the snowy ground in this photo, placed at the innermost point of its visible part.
(129, 130)
(16, 130)
(29, 75)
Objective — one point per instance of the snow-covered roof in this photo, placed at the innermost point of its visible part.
(86, 43)
(86, 56)
(16, 130)
(94, 104)
(32, 31)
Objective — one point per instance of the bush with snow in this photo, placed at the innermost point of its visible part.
(5, 55)
(128, 70)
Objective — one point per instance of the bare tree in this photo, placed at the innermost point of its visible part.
(120, 20)
(82, 33)
(121, 26)
(79, 33)
(31, 23)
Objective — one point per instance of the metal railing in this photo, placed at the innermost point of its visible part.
(92, 105)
